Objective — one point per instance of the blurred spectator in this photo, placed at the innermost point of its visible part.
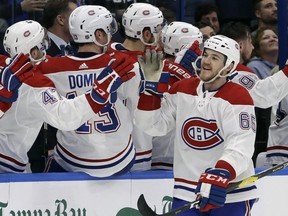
(190, 9)
(266, 14)
(55, 20)
(206, 29)
(265, 53)
(242, 34)
(208, 12)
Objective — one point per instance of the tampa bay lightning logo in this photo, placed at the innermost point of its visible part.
(201, 134)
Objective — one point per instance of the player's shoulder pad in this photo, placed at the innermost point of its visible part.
(235, 94)
(187, 86)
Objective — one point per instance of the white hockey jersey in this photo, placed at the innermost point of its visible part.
(141, 140)
(277, 146)
(102, 146)
(213, 129)
(38, 102)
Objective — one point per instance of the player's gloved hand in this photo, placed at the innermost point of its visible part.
(152, 63)
(19, 69)
(177, 71)
(211, 188)
(153, 87)
(106, 84)
(123, 66)
(190, 58)
(8, 96)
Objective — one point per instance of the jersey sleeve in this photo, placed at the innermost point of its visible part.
(65, 114)
(264, 92)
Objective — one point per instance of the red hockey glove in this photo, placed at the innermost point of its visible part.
(123, 66)
(177, 71)
(211, 188)
(19, 69)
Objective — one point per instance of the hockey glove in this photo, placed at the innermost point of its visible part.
(211, 188)
(105, 86)
(19, 69)
(190, 58)
(152, 64)
(8, 96)
(123, 66)
(177, 71)
(156, 88)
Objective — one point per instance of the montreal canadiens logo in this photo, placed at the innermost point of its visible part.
(27, 33)
(200, 133)
(146, 12)
(91, 12)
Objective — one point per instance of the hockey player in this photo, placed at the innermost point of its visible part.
(143, 23)
(39, 101)
(176, 40)
(215, 131)
(103, 145)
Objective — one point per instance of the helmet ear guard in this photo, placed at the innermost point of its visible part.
(23, 36)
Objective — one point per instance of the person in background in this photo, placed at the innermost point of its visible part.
(39, 101)
(208, 12)
(265, 55)
(215, 127)
(206, 29)
(143, 23)
(55, 19)
(266, 14)
(241, 33)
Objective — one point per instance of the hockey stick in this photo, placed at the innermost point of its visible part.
(145, 210)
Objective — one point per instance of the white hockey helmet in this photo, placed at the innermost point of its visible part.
(86, 19)
(24, 36)
(227, 46)
(177, 35)
(140, 15)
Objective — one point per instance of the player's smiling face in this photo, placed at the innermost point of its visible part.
(212, 62)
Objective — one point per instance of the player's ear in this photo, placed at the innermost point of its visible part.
(240, 45)
(147, 35)
(100, 36)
